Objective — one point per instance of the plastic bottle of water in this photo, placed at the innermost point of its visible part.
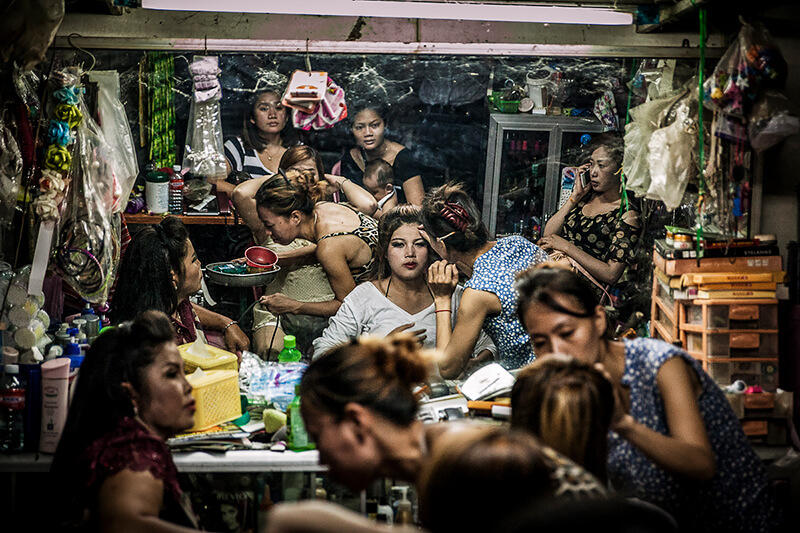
(12, 410)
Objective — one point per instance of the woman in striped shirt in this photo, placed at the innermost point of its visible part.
(260, 147)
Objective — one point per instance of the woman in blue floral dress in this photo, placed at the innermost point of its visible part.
(453, 227)
(675, 441)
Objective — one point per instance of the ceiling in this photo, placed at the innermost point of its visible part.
(780, 16)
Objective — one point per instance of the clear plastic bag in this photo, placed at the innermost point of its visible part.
(773, 118)
(671, 153)
(10, 174)
(203, 154)
(645, 119)
(117, 132)
(87, 249)
(752, 62)
(269, 383)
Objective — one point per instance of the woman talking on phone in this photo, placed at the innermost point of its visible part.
(590, 230)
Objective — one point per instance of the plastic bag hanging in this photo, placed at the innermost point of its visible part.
(203, 154)
(671, 154)
(116, 130)
(87, 250)
(10, 174)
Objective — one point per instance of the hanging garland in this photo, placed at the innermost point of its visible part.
(58, 155)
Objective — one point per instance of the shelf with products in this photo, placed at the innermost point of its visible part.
(525, 157)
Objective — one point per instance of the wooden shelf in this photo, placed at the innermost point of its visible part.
(218, 220)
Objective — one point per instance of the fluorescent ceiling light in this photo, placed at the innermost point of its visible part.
(399, 9)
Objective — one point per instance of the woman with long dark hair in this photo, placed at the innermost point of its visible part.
(159, 271)
(112, 470)
(257, 151)
(369, 128)
(399, 298)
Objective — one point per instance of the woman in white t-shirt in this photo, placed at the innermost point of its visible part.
(399, 298)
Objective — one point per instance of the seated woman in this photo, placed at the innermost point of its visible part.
(259, 148)
(400, 296)
(346, 240)
(159, 271)
(589, 229)
(112, 470)
(511, 471)
(453, 227)
(676, 442)
(567, 405)
(368, 127)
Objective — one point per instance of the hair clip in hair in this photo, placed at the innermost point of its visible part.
(286, 179)
(456, 215)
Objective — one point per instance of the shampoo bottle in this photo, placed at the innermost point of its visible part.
(55, 389)
(405, 515)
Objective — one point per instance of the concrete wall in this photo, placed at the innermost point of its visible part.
(782, 163)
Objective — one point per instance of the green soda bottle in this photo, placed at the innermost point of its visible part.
(296, 436)
(289, 354)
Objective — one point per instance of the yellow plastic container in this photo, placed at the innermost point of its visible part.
(218, 359)
(216, 396)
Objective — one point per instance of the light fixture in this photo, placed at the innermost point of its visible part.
(408, 9)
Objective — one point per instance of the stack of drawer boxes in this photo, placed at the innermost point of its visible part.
(735, 339)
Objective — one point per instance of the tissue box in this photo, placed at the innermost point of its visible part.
(216, 396)
(216, 359)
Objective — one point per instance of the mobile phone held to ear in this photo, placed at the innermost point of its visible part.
(584, 179)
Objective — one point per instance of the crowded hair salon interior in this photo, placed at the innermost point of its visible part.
(399, 265)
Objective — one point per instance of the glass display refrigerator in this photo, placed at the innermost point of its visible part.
(526, 155)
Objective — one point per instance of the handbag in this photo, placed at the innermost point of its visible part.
(565, 261)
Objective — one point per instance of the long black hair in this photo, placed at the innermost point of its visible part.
(145, 272)
(119, 355)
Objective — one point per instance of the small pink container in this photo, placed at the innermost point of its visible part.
(259, 259)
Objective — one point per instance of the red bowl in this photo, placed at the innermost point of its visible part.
(260, 257)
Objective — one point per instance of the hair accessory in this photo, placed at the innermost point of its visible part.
(456, 215)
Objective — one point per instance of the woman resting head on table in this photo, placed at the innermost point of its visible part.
(567, 404)
(399, 298)
(452, 226)
(159, 271)
(290, 207)
(676, 441)
(112, 470)
(589, 231)
(369, 128)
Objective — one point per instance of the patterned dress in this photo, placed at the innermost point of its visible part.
(605, 236)
(495, 271)
(737, 498)
(367, 231)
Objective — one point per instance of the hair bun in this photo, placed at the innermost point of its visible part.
(401, 358)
